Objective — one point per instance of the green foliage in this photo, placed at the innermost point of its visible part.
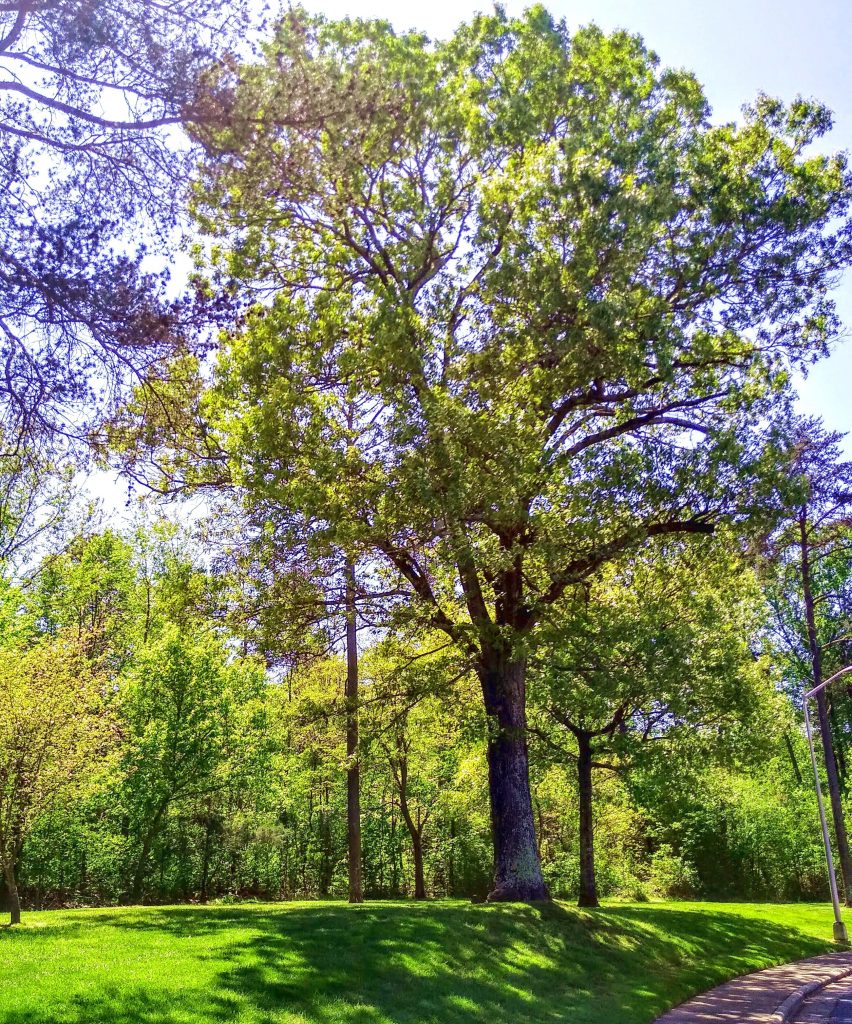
(498, 249)
(49, 729)
(91, 590)
(217, 779)
(753, 833)
(656, 651)
(188, 719)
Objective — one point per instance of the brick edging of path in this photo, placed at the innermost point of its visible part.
(773, 995)
(793, 1003)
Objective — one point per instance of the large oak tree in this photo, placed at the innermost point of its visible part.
(563, 303)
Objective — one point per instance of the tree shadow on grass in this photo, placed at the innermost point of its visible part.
(418, 964)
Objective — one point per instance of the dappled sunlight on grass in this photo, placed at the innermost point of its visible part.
(328, 963)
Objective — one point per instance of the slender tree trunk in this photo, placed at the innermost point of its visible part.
(834, 796)
(415, 829)
(395, 857)
(517, 869)
(83, 879)
(148, 838)
(326, 873)
(419, 876)
(353, 773)
(796, 770)
(822, 714)
(138, 882)
(451, 864)
(588, 885)
(838, 746)
(205, 854)
(12, 892)
(147, 609)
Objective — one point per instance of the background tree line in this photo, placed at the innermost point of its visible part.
(188, 772)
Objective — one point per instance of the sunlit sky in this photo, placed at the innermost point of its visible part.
(737, 48)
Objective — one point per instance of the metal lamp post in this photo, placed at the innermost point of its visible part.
(840, 934)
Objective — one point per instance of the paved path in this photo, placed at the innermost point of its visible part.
(833, 1005)
(754, 998)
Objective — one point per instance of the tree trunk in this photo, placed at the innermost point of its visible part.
(353, 773)
(148, 838)
(824, 724)
(588, 885)
(836, 733)
(415, 829)
(12, 892)
(326, 870)
(419, 877)
(138, 882)
(834, 796)
(793, 761)
(517, 868)
(205, 854)
(451, 864)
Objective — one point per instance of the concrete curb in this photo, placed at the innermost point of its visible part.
(774, 995)
(793, 1003)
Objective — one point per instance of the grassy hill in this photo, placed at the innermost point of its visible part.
(445, 962)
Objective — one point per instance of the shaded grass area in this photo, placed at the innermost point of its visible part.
(329, 963)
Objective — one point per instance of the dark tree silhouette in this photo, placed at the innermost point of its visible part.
(91, 94)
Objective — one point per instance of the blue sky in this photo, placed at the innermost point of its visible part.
(737, 49)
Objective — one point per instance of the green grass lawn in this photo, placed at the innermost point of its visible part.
(446, 962)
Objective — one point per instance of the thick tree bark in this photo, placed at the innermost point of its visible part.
(12, 892)
(588, 884)
(353, 773)
(824, 723)
(517, 867)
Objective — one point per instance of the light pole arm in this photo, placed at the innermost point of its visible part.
(828, 682)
